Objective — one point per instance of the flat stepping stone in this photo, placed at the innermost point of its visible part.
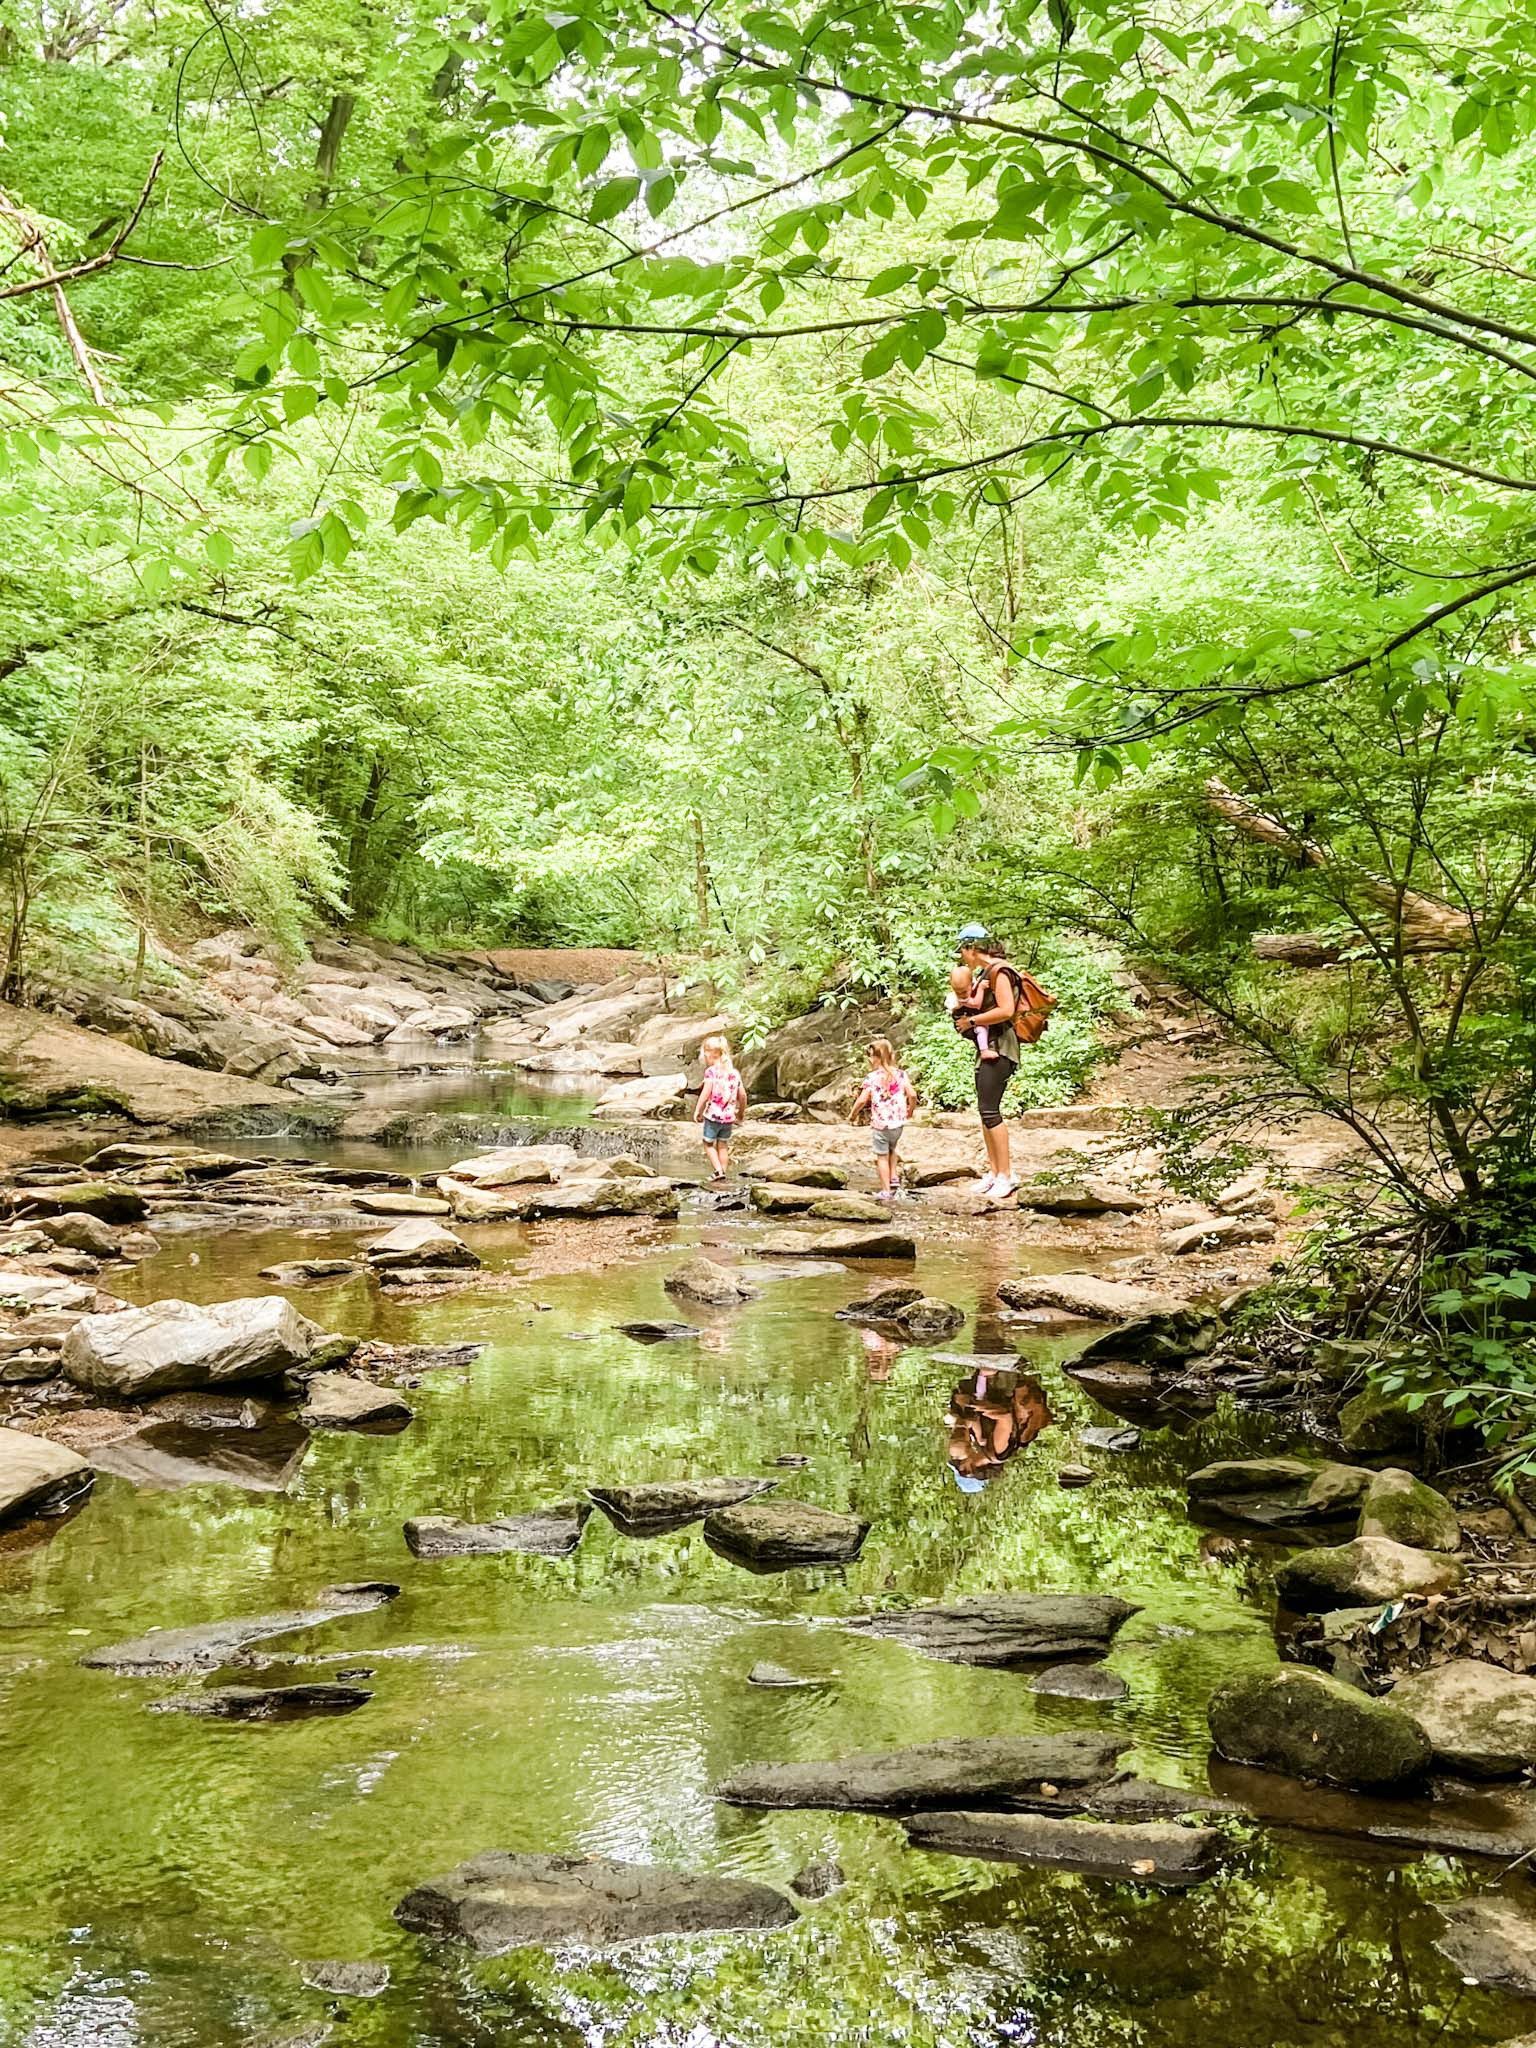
(310, 1272)
(674, 1503)
(1007, 1628)
(984, 1771)
(340, 1400)
(548, 1532)
(657, 1332)
(1079, 1682)
(1148, 1852)
(207, 1645)
(501, 1900)
(1280, 1493)
(266, 1702)
(777, 1535)
(852, 1243)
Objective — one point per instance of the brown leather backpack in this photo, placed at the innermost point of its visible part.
(1032, 1013)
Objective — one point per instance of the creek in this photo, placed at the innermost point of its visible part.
(161, 1876)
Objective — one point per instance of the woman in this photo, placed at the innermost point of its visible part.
(986, 958)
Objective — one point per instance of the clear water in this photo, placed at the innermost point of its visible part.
(161, 1877)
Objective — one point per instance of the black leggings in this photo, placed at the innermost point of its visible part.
(992, 1078)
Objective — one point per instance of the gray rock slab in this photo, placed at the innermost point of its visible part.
(549, 1532)
(1147, 1852)
(207, 1645)
(981, 1771)
(777, 1535)
(1006, 1628)
(501, 1900)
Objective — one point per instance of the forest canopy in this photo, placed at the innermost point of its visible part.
(771, 482)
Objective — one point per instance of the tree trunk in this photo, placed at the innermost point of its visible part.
(1295, 949)
(1426, 926)
(332, 134)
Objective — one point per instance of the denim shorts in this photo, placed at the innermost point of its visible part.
(717, 1134)
(885, 1142)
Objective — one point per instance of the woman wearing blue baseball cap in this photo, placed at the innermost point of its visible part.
(985, 955)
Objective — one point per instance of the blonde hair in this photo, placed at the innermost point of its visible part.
(716, 1046)
(882, 1052)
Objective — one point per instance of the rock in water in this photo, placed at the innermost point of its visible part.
(853, 1243)
(1160, 1853)
(848, 1208)
(675, 1502)
(339, 1400)
(420, 1241)
(346, 1980)
(1079, 1682)
(928, 1318)
(1007, 1628)
(502, 1900)
(982, 1771)
(392, 1202)
(549, 1532)
(1478, 1718)
(305, 1272)
(81, 1233)
(38, 1477)
(776, 1535)
(1362, 1573)
(882, 1305)
(1168, 1339)
(207, 1645)
(701, 1279)
(1110, 1439)
(1314, 1726)
(777, 1677)
(1085, 1294)
(172, 1344)
(266, 1702)
(1405, 1510)
(1492, 1941)
(650, 1331)
(1279, 1493)
(818, 1880)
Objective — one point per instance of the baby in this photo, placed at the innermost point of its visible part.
(964, 996)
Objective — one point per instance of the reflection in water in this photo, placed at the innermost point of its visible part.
(992, 1415)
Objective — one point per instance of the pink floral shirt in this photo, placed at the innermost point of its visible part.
(887, 1098)
(721, 1081)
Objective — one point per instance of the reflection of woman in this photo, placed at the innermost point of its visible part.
(992, 1415)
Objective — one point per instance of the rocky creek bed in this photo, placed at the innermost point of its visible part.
(277, 1686)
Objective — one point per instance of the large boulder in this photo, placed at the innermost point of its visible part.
(1315, 1726)
(1478, 1718)
(420, 1241)
(1405, 1510)
(620, 1195)
(1279, 1493)
(1006, 1628)
(701, 1279)
(1085, 1294)
(591, 1056)
(1089, 1197)
(110, 1201)
(1364, 1573)
(513, 1166)
(777, 1535)
(77, 1232)
(973, 1772)
(502, 1900)
(172, 1344)
(38, 1477)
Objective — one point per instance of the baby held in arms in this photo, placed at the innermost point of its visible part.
(964, 995)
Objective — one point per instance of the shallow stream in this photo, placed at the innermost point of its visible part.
(161, 1876)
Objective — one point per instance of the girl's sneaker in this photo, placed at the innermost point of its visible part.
(987, 1184)
(1002, 1189)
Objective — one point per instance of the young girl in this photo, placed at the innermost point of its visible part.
(890, 1099)
(722, 1099)
(963, 996)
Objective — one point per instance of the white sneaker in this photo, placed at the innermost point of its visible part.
(988, 1183)
(1002, 1188)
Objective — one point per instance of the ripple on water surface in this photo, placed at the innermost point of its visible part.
(160, 1876)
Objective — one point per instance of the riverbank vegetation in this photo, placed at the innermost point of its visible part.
(766, 486)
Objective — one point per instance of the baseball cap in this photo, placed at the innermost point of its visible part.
(972, 935)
